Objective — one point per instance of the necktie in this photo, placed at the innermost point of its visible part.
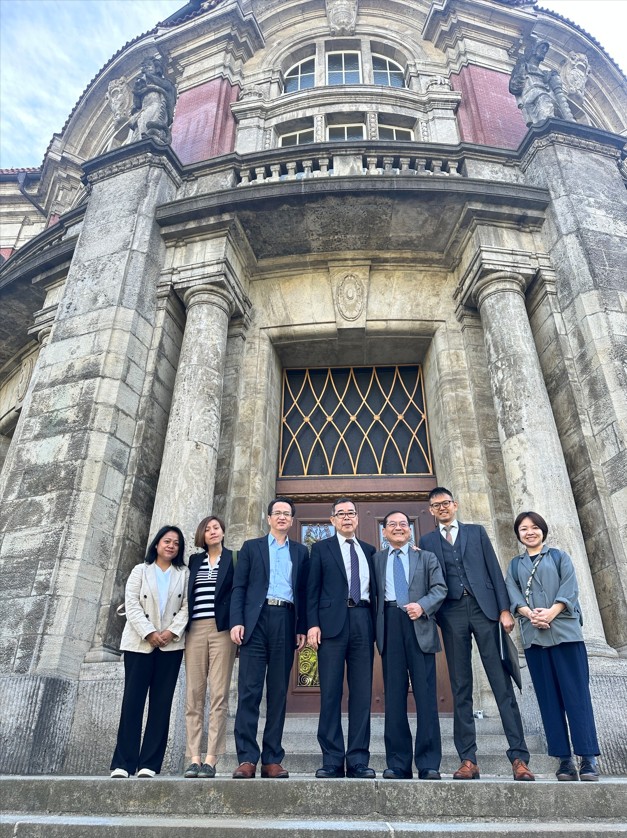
(354, 590)
(400, 581)
(449, 537)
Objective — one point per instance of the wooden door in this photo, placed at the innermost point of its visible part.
(312, 523)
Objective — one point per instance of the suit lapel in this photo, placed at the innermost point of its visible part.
(294, 558)
(463, 538)
(264, 548)
(413, 564)
(222, 568)
(336, 552)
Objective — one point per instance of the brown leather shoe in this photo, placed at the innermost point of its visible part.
(521, 772)
(274, 770)
(468, 770)
(244, 771)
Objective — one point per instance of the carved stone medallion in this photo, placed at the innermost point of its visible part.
(342, 16)
(350, 297)
(24, 380)
(120, 99)
(574, 74)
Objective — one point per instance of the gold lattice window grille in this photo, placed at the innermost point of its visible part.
(354, 421)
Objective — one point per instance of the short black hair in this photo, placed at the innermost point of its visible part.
(337, 502)
(440, 490)
(394, 512)
(537, 519)
(281, 500)
(151, 552)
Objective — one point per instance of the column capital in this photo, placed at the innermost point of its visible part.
(212, 295)
(498, 282)
(488, 270)
(131, 157)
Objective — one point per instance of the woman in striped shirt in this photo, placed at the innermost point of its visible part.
(209, 650)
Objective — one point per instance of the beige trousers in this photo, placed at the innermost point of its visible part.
(209, 656)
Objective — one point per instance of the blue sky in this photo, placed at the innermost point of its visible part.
(51, 49)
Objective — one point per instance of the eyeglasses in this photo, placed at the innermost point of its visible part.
(394, 525)
(280, 514)
(443, 504)
(348, 515)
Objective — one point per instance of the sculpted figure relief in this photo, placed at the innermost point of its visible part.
(574, 74)
(154, 97)
(342, 16)
(539, 93)
(119, 97)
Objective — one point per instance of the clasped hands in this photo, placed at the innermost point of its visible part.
(159, 639)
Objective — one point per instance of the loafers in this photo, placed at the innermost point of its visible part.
(468, 770)
(119, 774)
(146, 773)
(274, 771)
(429, 774)
(192, 771)
(567, 771)
(360, 772)
(588, 769)
(520, 770)
(329, 772)
(244, 771)
(207, 771)
(393, 774)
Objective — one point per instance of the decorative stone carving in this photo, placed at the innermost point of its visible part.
(539, 93)
(350, 297)
(342, 16)
(438, 83)
(574, 75)
(154, 97)
(23, 381)
(373, 126)
(251, 93)
(120, 100)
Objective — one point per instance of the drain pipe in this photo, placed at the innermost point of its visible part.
(21, 179)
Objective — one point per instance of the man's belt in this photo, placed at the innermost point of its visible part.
(363, 603)
(280, 603)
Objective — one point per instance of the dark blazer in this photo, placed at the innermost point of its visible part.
(426, 587)
(224, 586)
(480, 563)
(252, 577)
(327, 590)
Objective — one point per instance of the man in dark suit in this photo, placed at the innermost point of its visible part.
(410, 589)
(476, 603)
(340, 614)
(268, 621)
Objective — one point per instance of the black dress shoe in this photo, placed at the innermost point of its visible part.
(360, 772)
(429, 774)
(392, 774)
(328, 772)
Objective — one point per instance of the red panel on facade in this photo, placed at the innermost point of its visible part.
(203, 124)
(488, 114)
(5, 252)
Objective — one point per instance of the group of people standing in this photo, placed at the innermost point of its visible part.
(272, 597)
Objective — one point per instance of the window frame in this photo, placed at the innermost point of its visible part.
(389, 61)
(346, 139)
(343, 52)
(298, 65)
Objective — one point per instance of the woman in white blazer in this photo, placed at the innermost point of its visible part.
(153, 641)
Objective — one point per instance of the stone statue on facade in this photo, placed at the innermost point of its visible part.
(154, 97)
(539, 93)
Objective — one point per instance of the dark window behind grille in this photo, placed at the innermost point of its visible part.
(354, 421)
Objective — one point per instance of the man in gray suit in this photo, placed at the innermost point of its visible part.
(410, 586)
(475, 604)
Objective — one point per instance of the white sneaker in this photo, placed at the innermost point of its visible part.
(119, 773)
(146, 772)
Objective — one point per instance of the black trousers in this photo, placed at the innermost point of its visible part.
(460, 620)
(404, 659)
(269, 655)
(352, 648)
(153, 675)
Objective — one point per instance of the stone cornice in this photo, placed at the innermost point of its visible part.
(130, 157)
(563, 132)
(495, 270)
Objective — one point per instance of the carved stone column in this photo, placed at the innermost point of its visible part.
(534, 463)
(188, 468)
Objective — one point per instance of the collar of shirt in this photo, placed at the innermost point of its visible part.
(272, 542)
(404, 551)
(454, 525)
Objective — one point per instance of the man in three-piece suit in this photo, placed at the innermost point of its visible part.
(341, 601)
(410, 589)
(268, 622)
(475, 604)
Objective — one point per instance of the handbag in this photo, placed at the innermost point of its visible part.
(509, 657)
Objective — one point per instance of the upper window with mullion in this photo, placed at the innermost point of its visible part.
(343, 68)
(301, 76)
(387, 72)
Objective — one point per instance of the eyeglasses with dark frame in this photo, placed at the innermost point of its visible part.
(443, 504)
(344, 515)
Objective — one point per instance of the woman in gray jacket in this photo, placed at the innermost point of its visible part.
(152, 642)
(542, 588)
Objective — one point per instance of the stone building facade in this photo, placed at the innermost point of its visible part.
(346, 186)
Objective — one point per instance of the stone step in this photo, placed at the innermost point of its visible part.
(168, 827)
